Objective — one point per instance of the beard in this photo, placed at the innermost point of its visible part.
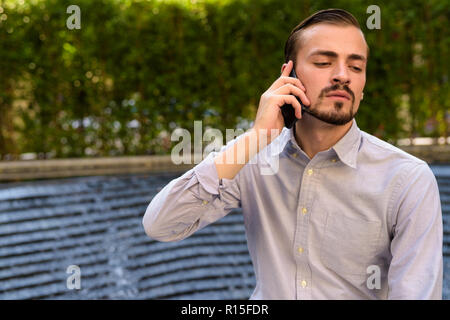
(338, 115)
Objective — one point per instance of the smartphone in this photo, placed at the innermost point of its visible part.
(288, 111)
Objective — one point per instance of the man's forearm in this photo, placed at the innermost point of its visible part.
(230, 161)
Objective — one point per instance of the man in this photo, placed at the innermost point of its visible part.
(344, 215)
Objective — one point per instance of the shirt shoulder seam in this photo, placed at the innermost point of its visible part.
(389, 147)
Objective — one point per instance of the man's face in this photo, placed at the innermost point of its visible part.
(331, 64)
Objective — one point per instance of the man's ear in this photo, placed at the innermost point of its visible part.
(283, 67)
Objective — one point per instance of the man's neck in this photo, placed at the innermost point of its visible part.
(314, 135)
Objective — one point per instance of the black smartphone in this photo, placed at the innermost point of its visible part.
(288, 110)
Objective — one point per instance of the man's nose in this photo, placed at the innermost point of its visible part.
(341, 75)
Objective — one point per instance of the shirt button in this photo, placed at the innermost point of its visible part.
(300, 250)
(294, 155)
(304, 210)
(333, 160)
(310, 171)
(303, 283)
(204, 202)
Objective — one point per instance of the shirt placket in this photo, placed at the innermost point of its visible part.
(301, 247)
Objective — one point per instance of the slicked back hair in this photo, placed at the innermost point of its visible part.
(330, 16)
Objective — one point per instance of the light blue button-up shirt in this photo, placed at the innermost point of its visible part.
(361, 220)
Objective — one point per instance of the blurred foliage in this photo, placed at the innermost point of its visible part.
(136, 70)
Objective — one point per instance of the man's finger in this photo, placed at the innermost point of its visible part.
(294, 81)
(290, 99)
(292, 89)
(288, 69)
(285, 79)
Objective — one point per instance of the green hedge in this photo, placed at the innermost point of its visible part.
(137, 69)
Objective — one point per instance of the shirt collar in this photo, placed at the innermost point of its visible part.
(346, 148)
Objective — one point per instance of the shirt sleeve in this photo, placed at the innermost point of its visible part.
(192, 201)
(416, 268)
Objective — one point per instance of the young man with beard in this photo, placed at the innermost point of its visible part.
(344, 215)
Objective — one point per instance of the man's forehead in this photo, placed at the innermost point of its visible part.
(345, 40)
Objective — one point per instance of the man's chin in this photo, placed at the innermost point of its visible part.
(332, 119)
(335, 104)
(333, 113)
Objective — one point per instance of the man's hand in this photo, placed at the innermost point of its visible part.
(268, 117)
(282, 91)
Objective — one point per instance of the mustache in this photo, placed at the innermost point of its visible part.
(335, 87)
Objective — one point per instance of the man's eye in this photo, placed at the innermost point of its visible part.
(357, 69)
(322, 64)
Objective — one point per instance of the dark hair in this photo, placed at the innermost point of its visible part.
(330, 16)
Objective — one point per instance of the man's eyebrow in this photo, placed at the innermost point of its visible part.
(355, 56)
(333, 54)
(330, 54)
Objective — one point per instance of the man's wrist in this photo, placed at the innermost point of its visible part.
(263, 136)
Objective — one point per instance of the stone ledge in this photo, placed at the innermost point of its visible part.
(63, 168)
(432, 154)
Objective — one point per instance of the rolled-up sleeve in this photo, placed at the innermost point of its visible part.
(416, 269)
(191, 202)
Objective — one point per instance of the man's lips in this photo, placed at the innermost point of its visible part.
(338, 95)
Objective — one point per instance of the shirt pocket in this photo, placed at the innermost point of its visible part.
(350, 244)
